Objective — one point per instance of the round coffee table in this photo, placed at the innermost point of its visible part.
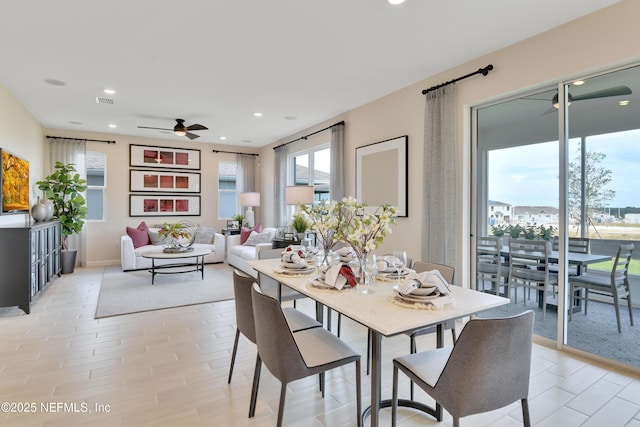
(182, 265)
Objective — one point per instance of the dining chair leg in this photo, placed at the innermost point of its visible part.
(358, 394)
(368, 351)
(283, 393)
(321, 375)
(525, 413)
(254, 386)
(630, 307)
(339, 324)
(233, 355)
(394, 396)
(616, 301)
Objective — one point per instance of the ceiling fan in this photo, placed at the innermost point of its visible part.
(603, 93)
(180, 129)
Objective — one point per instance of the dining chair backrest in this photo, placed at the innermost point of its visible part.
(242, 284)
(447, 272)
(276, 345)
(579, 245)
(529, 258)
(489, 366)
(620, 270)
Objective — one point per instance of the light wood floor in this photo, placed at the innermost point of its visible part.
(169, 368)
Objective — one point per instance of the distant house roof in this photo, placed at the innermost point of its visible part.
(496, 203)
(535, 210)
(320, 177)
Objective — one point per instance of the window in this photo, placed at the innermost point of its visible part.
(96, 185)
(318, 160)
(227, 190)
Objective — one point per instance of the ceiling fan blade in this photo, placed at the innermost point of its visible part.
(549, 111)
(197, 127)
(147, 127)
(604, 93)
(192, 135)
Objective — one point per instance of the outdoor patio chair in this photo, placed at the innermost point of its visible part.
(491, 266)
(487, 369)
(615, 285)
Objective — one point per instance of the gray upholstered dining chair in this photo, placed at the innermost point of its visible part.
(272, 287)
(487, 369)
(615, 285)
(245, 323)
(290, 356)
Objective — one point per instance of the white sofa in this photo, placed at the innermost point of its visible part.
(131, 258)
(238, 255)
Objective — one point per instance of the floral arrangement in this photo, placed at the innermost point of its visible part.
(323, 220)
(174, 232)
(361, 228)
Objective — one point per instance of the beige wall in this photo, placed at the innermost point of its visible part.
(21, 134)
(596, 42)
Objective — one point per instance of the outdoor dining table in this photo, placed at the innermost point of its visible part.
(384, 318)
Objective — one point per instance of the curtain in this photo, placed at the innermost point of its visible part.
(279, 183)
(440, 202)
(71, 151)
(336, 189)
(246, 172)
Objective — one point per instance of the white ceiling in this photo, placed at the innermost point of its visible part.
(216, 62)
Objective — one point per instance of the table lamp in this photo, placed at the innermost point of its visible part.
(249, 200)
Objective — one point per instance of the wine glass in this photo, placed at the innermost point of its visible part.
(399, 260)
(369, 270)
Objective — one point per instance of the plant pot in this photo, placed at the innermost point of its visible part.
(68, 260)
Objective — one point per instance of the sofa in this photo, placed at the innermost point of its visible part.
(131, 255)
(238, 253)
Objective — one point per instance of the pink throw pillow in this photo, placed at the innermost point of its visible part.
(245, 232)
(140, 235)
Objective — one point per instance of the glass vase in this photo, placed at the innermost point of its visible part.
(365, 276)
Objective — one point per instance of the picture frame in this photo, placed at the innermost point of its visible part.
(233, 224)
(288, 237)
(163, 205)
(164, 181)
(150, 156)
(382, 175)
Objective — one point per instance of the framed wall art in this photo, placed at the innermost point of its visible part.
(164, 181)
(381, 174)
(163, 205)
(150, 156)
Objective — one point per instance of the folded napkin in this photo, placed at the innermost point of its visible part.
(346, 254)
(386, 264)
(426, 279)
(339, 276)
(293, 257)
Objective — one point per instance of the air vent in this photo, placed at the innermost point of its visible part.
(103, 100)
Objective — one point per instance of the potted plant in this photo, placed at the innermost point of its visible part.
(64, 188)
(174, 232)
(300, 224)
(529, 232)
(240, 219)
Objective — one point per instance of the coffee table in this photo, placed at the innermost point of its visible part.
(182, 264)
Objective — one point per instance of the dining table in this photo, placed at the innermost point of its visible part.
(379, 310)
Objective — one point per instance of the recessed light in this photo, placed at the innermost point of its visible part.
(257, 114)
(109, 91)
(223, 138)
(55, 82)
(290, 118)
(623, 103)
(246, 140)
(395, 2)
(578, 82)
(112, 126)
(75, 122)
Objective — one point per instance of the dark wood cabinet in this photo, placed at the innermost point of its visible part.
(29, 261)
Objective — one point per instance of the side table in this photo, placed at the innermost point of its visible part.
(280, 243)
(226, 232)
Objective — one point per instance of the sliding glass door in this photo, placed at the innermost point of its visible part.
(519, 193)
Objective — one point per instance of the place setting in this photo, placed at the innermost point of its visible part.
(427, 290)
(337, 278)
(392, 268)
(293, 262)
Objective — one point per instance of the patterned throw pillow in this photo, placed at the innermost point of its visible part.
(139, 235)
(205, 234)
(256, 238)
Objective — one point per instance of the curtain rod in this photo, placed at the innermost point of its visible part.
(311, 134)
(80, 139)
(235, 152)
(484, 71)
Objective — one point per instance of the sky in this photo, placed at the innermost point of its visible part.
(528, 175)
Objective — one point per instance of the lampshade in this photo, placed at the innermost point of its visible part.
(250, 199)
(299, 194)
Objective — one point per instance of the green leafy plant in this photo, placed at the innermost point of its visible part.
(530, 232)
(300, 223)
(173, 231)
(239, 218)
(515, 230)
(64, 188)
(546, 233)
(498, 230)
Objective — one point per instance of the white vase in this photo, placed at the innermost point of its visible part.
(38, 211)
(49, 207)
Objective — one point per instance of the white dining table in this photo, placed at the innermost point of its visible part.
(384, 318)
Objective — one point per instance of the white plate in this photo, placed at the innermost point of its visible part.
(293, 271)
(318, 284)
(294, 266)
(394, 275)
(424, 291)
(416, 298)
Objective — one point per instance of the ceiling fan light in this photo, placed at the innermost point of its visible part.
(180, 132)
(556, 104)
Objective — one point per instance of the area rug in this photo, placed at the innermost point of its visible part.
(132, 291)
